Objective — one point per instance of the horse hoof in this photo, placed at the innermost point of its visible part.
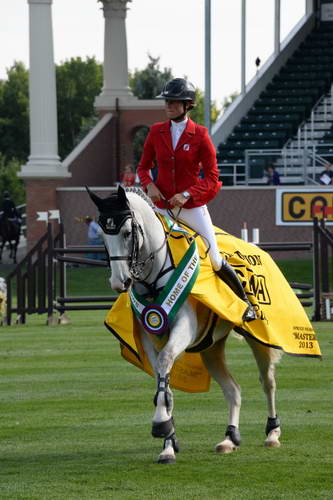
(270, 443)
(226, 446)
(272, 440)
(167, 460)
(162, 429)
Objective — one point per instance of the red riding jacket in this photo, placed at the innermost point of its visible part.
(179, 169)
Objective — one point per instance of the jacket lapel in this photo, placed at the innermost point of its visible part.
(165, 131)
(187, 135)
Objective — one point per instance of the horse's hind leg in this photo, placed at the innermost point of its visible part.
(214, 359)
(266, 359)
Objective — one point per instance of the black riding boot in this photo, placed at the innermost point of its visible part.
(229, 276)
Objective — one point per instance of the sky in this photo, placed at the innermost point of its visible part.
(172, 31)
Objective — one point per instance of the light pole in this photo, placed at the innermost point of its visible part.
(207, 99)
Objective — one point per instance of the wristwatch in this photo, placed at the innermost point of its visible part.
(186, 194)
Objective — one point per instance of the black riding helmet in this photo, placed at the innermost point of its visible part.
(179, 89)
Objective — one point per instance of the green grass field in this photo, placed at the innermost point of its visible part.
(94, 280)
(76, 420)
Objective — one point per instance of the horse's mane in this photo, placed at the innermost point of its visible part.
(141, 193)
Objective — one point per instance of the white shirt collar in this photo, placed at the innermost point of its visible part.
(179, 125)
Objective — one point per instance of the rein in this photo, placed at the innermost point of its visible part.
(111, 223)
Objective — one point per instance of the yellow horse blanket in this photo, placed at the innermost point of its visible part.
(281, 320)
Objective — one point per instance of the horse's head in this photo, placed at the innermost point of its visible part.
(122, 236)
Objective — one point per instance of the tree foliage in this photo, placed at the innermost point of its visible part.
(14, 113)
(138, 142)
(148, 83)
(198, 112)
(78, 83)
(9, 180)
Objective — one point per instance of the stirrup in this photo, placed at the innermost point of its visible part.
(249, 314)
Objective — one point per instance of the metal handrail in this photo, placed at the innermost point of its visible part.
(234, 174)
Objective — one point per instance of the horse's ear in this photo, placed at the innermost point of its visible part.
(122, 195)
(96, 199)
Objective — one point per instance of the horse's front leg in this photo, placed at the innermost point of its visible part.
(182, 334)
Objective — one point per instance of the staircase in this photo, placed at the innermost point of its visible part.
(277, 127)
(302, 157)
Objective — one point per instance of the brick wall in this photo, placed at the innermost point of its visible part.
(229, 210)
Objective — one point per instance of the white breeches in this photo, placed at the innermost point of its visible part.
(198, 219)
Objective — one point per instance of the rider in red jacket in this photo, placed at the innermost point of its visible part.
(187, 174)
(179, 168)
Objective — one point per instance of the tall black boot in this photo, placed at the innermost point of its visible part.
(229, 276)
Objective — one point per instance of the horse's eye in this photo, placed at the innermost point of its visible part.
(126, 234)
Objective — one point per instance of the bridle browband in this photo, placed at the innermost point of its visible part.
(111, 221)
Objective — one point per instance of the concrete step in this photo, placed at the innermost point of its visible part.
(318, 125)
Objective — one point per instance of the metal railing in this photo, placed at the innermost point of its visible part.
(37, 285)
(302, 166)
(322, 247)
(237, 175)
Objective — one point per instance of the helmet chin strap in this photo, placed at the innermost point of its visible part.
(181, 117)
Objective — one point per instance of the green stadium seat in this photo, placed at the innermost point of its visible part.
(287, 100)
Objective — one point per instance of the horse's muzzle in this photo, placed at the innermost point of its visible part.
(120, 286)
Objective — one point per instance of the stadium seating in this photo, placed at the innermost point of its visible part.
(284, 104)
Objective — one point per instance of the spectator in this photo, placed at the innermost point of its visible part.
(128, 177)
(94, 237)
(273, 177)
(326, 176)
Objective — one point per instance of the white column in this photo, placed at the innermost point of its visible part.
(277, 22)
(115, 56)
(43, 160)
(243, 48)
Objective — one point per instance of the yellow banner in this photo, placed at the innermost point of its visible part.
(281, 320)
(303, 206)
